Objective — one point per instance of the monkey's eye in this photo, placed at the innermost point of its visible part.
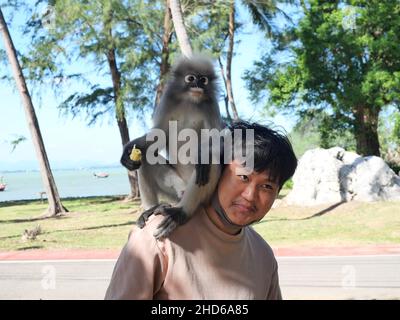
(190, 78)
(204, 80)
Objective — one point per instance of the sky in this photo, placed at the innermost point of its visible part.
(70, 143)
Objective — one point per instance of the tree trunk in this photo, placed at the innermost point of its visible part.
(221, 67)
(55, 205)
(181, 34)
(165, 66)
(120, 115)
(229, 61)
(366, 130)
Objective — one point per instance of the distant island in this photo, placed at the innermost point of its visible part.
(21, 168)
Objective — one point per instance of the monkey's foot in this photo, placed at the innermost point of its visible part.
(141, 222)
(174, 217)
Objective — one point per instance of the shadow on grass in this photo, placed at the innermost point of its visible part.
(130, 223)
(12, 203)
(103, 201)
(99, 199)
(32, 219)
(322, 212)
(30, 248)
(96, 199)
(315, 215)
(10, 237)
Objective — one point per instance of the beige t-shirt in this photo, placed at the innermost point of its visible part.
(197, 261)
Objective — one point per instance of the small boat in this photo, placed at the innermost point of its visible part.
(100, 174)
(2, 185)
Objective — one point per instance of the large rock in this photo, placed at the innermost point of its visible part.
(334, 175)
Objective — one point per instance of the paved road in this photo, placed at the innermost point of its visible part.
(353, 277)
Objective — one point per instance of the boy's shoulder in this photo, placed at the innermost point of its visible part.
(259, 242)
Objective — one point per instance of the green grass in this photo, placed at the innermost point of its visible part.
(105, 222)
(92, 223)
(345, 224)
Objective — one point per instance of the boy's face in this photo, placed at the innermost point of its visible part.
(246, 197)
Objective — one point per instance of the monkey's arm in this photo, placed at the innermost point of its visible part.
(202, 174)
(202, 169)
(126, 161)
(214, 152)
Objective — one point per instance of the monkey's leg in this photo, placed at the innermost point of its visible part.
(193, 197)
(158, 180)
(147, 186)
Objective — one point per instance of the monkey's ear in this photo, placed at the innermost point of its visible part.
(178, 74)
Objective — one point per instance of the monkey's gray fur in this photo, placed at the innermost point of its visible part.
(190, 99)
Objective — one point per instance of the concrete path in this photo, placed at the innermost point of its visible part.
(54, 279)
(344, 277)
(301, 277)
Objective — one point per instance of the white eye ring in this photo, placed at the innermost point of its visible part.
(204, 80)
(190, 78)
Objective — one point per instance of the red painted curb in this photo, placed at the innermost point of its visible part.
(338, 251)
(71, 254)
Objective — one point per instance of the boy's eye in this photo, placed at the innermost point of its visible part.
(267, 186)
(244, 178)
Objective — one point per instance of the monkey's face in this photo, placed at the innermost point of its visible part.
(196, 86)
(194, 79)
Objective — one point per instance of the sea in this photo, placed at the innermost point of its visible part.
(26, 185)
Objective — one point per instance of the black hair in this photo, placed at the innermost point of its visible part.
(272, 151)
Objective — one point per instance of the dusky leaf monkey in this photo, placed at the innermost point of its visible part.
(189, 99)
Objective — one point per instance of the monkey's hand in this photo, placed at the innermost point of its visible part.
(202, 174)
(131, 157)
(174, 217)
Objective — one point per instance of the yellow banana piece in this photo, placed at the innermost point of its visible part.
(136, 154)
